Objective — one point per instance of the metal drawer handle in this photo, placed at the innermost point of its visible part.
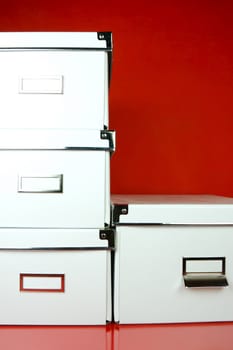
(204, 272)
(40, 184)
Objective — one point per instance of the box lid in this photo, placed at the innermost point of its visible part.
(56, 40)
(172, 209)
(56, 239)
(57, 139)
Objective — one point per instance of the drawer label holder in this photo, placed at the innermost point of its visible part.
(40, 184)
(35, 282)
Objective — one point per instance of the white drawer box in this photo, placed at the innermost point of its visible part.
(55, 277)
(54, 188)
(56, 80)
(168, 273)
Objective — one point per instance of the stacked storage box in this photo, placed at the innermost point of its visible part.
(174, 258)
(55, 148)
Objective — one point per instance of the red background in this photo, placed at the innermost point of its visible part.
(171, 91)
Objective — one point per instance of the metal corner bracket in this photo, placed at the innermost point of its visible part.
(109, 135)
(106, 36)
(108, 234)
(119, 209)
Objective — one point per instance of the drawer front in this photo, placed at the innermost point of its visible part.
(168, 274)
(53, 89)
(53, 288)
(54, 188)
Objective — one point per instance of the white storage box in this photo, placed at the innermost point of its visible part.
(54, 80)
(63, 184)
(55, 277)
(174, 259)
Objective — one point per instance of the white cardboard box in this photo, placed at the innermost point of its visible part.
(174, 259)
(55, 277)
(54, 80)
(54, 179)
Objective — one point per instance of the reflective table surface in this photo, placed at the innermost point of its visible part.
(205, 336)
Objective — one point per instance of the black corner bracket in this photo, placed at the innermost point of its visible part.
(108, 234)
(106, 36)
(109, 135)
(119, 209)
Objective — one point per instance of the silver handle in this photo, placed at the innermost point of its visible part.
(205, 280)
(204, 272)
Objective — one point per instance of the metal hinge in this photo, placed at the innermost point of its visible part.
(117, 210)
(109, 135)
(108, 234)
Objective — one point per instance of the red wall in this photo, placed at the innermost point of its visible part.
(171, 99)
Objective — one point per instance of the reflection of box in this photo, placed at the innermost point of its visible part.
(54, 80)
(174, 259)
(55, 276)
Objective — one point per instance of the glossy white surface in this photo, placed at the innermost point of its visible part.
(149, 286)
(176, 209)
(77, 98)
(83, 203)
